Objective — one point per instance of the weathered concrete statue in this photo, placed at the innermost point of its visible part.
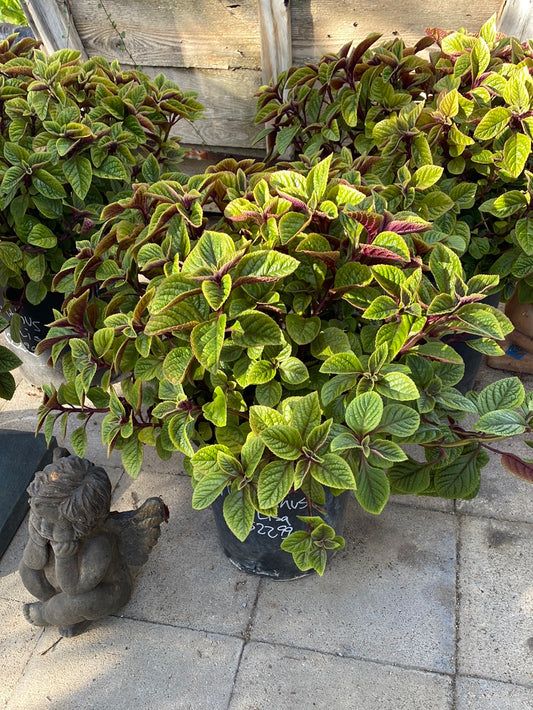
(78, 556)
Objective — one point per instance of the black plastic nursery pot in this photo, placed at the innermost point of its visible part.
(33, 319)
(260, 553)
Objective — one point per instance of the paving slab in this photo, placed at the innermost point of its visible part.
(424, 502)
(282, 678)
(378, 631)
(502, 495)
(187, 581)
(480, 694)
(496, 600)
(11, 586)
(152, 462)
(20, 412)
(123, 664)
(389, 596)
(17, 642)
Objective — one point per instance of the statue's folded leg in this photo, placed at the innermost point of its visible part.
(72, 612)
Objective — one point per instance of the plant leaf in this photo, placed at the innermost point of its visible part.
(275, 482)
(78, 171)
(302, 330)
(132, 456)
(373, 488)
(493, 123)
(239, 513)
(333, 472)
(507, 393)
(208, 488)
(363, 414)
(283, 440)
(515, 153)
(207, 340)
(501, 422)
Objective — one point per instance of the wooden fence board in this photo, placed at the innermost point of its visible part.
(205, 34)
(52, 22)
(516, 18)
(229, 101)
(275, 32)
(322, 26)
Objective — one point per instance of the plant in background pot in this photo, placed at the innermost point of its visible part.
(8, 361)
(290, 350)
(74, 135)
(459, 123)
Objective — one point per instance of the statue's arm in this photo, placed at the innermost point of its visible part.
(35, 555)
(36, 582)
(81, 566)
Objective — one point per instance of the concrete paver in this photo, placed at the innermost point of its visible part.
(115, 671)
(282, 677)
(11, 586)
(429, 607)
(481, 694)
(196, 585)
(501, 495)
(389, 596)
(496, 600)
(17, 643)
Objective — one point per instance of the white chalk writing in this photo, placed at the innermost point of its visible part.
(278, 526)
(272, 527)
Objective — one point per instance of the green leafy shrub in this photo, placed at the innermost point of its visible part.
(73, 136)
(294, 342)
(457, 124)
(12, 12)
(8, 361)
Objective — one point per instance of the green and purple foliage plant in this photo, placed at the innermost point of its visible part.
(74, 135)
(11, 12)
(8, 361)
(291, 340)
(458, 123)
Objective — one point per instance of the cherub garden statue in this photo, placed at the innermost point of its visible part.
(78, 556)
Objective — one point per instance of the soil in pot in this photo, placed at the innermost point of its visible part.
(260, 553)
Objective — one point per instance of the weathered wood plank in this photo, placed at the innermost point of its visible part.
(230, 105)
(516, 18)
(54, 24)
(322, 26)
(206, 34)
(275, 31)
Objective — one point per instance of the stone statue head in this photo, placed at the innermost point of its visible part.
(74, 489)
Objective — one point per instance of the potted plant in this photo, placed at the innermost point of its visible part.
(293, 344)
(8, 361)
(73, 136)
(458, 122)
